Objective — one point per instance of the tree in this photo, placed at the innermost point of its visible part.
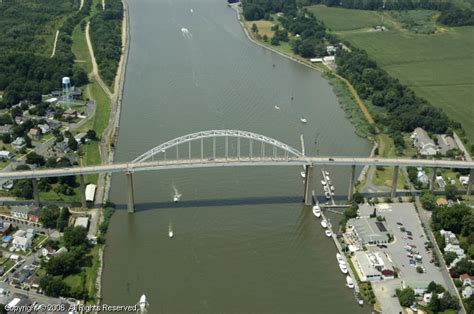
(358, 198)
(79, 77)
(428, 201)
(63, 219)
(265, 37)
(406, 297)
(451, 192)
(274, 41)
(75, 236)
(53, 286)
(449, 257)
(254, 28)
(23, 189)
(436, 288)
(71, 142)
(91, 134)
(35, 159)
(49, 216)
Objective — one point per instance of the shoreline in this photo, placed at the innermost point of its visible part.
(111, 132)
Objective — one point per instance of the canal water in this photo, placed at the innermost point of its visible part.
(243, 242)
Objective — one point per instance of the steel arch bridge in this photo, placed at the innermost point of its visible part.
(214, 134)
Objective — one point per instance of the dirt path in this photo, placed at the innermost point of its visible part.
(103, 4)
(82, 3)
(55, 42)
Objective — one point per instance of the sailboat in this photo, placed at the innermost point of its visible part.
(142, 304)
(176, 196)
(277, 107)
(317, 211)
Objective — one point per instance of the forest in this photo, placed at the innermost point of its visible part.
(25, 74)
(106, 36)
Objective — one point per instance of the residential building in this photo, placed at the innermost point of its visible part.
(445, 143)
(464, 180)
(44, 128)
(6, 155)
(34, 214)
(423, 142)
(19, 120)
(21, 212)
(19, 143)
(467, 280)
(419, 287)
(79, 137)
(441, 202)
(454, 248)
(331, 50)
(5, 228)
(82, 222)
(90, 192)
(23, 239)
(69, 114)
(467, 292)
(21, 275)
(5, 129)
(449, 237)
(34, 134)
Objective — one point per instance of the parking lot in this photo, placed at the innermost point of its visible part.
(408, 249)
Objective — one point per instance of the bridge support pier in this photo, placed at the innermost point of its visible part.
(351, 183)
(83, 191)
(470, 182)
(36, 192)
(130, 201)
(308, 183)
(433, 179)
(394, 181)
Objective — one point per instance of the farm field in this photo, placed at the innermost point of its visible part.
(437, 66)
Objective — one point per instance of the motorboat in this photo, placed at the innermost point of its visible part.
(303, 174)
(327, 195)
(277, 107)
(333, 188)
(343, 268)
(333, 194)
(324, 223)
(349, 282)
(176, 197)
(303, 120)
(328, 233)
(317, 211)
(323, 182)
(361, 302)
(326, 173)
(143, 304)
(170, 232)
(340, 259)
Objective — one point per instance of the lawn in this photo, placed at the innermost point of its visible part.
(80, 50)
(340, 19)
(438, 67)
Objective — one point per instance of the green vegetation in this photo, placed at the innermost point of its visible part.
(106, 36)
(341, 19)
(406, 297)
(418, 21)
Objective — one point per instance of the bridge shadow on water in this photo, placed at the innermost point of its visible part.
(215, 203)
(263, 200)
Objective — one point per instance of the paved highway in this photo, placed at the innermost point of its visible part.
(233, 162)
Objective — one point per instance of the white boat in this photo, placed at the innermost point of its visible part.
(170, 231)
(326, 172)
(333, 194)
(323, 182)
(340, 259)
(303, 120)
(324, 223)
(327, 195)
(142, 303)
(333, 188)
(328, 178)
(328, 233)
(343, 268)
(176, 197)
(316, 211)
(361, 302)
(326, 189)
(349, 282)
(277, 107)
(303, 174)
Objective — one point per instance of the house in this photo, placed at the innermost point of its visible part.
(454, 248)
(34, 134)
(19, 120)
(90, 192)
(449, 237)
(5, 155)
(441, 201)
(61, 148)
(440, 181)
(61, 250)
(20, 276)
(422, 177)
(19, 143)
(69, 114)
(5, 228)
(423, 142)
(78, 137)
(6, 185)
(44, 128)
(467, 292)
(21, 212)
(82, 222)
(22, 239)
(331, 50)
(419, 287)
(464, 180)
(5, 129)
(47, 252)
(329, 59)
(467, 280)
(34, 214)
(54, 124)
(316, 60)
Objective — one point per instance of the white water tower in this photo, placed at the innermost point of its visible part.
(66, 89)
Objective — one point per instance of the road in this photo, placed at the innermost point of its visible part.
(55, 42)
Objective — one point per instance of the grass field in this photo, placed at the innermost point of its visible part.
(437, 66)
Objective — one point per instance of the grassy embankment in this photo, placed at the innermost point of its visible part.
(438, 67)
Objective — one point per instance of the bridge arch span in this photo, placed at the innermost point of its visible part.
(215, 134)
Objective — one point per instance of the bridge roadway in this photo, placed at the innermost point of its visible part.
(233, 162)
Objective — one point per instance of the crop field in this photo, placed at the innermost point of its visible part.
(339, 19)
(438, 67)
